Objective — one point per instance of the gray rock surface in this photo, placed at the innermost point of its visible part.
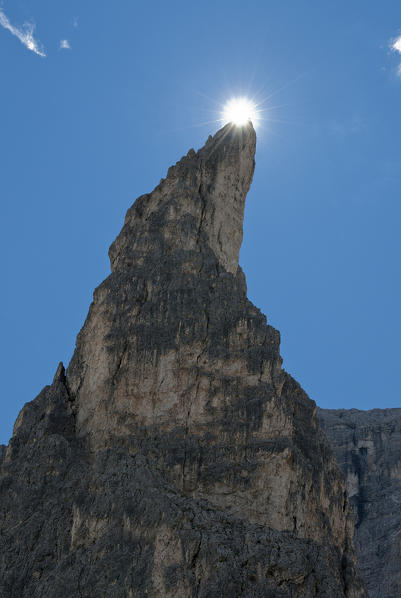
(368, 449)
(175, 457)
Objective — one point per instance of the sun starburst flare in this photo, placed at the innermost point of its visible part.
(240, 111)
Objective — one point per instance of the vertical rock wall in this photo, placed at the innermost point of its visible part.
(367, 445)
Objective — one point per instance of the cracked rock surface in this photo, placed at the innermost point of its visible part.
(367, 445)
(175, 457)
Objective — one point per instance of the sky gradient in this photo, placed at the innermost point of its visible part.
(125, 89)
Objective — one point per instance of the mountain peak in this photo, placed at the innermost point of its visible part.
(176, 457)
(199, 205)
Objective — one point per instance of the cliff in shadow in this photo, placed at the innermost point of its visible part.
(367, 445)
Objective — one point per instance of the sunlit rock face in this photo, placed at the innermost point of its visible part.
(367, 445)
(176, 457)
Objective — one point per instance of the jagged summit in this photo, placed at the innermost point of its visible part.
(176, 458)
(200, 202)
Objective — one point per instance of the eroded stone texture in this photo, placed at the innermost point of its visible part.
(368, 449)
(177, 457)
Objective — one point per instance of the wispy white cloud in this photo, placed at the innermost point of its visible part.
(396, 44)
(75, 22)
(24, 34)
(65, 44)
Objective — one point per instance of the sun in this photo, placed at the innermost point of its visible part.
(240, 111)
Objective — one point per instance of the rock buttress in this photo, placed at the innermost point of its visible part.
(176, 457)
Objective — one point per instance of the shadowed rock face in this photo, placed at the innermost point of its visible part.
(367, 445)
(176, 457)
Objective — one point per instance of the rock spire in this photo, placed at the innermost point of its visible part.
(175, 457)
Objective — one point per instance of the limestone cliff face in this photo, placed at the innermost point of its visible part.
(176, 457)
(368, 449)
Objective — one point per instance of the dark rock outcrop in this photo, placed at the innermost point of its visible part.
(367, 445)
(175, 457)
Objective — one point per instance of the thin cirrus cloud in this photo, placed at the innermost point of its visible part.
(65, 44)
(396, 46)
(24, 34)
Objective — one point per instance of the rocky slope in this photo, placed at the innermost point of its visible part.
(175, 457)
(368, 449)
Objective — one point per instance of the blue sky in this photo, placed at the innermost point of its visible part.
(88, 128)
